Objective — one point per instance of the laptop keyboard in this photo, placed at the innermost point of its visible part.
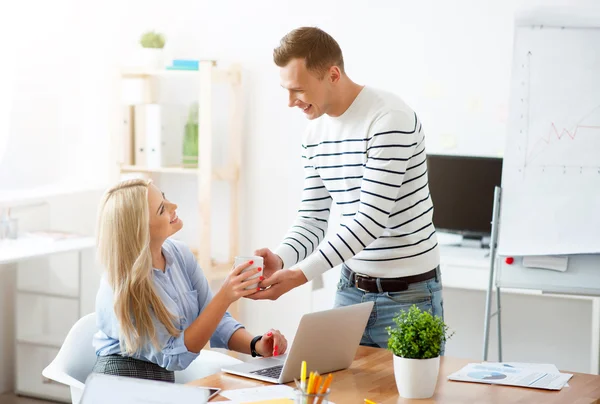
(273, 372)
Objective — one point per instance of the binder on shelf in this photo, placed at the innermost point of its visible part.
(128, 143)
(158, 135)
(153, 136)
(141, 123)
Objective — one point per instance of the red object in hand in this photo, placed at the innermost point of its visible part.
(509, 260)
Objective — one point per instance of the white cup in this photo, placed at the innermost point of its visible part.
(258, 263)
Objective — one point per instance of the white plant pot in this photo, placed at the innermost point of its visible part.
(416, 378)
(150, 58)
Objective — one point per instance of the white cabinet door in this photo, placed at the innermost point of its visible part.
(31, 360)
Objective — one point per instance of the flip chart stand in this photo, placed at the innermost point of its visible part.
(493, 282)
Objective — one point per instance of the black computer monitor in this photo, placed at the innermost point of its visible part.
(462, 190)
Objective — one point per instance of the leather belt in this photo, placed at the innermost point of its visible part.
(368, 284)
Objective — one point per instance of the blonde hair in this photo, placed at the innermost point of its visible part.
(123, 243)
(318, 49)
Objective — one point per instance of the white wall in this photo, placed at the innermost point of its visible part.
(62, 92)
(449, 60)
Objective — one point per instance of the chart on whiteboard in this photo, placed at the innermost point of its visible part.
(551, 173)
(571, 148)
(561, 131)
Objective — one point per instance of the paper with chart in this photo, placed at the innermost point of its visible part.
(498, 373)
(259, 393)
(540, 367)
(551, 172)
(276, 394)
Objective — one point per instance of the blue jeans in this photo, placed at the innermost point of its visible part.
(426, 295)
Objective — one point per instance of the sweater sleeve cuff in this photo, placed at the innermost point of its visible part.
(227, 326)
(314, 265)
(287, 255)
(176, 346)
(176, 356)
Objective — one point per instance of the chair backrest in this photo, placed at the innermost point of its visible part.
(76, 358)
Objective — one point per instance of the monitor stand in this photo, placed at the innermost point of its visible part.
(467, 241)
(475, 241)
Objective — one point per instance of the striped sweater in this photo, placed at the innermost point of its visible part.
(371, 162)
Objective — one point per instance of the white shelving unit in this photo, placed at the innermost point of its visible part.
(42, 293)
(209, 75)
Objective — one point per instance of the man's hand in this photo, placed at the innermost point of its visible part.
(271, 261)
(279, 283)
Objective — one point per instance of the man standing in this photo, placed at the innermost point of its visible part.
(364, 149)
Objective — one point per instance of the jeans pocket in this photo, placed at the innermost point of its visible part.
(417, 295)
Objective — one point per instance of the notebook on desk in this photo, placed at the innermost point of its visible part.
(102, 389)
(327, 340)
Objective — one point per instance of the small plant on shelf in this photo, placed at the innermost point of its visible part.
(152, 39)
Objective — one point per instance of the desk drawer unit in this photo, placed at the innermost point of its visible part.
(31, 360)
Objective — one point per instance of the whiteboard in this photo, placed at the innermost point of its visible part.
(551, 171)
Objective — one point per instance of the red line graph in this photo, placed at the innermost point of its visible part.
(565, 131)
(539, 146)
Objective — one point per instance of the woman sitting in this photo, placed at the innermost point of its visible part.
(155, 310)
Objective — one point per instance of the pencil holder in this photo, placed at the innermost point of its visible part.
(302, 397)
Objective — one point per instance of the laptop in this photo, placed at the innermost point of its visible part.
(327, 340)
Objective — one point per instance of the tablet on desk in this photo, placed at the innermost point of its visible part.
(211, 391)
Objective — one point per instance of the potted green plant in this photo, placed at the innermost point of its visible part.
(152, 49)
(416, 342)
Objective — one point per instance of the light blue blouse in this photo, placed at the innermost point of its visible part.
(184, 290)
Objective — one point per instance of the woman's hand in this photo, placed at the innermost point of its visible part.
(234, 286)
(273, 343)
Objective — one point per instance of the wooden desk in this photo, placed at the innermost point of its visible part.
(372, 376)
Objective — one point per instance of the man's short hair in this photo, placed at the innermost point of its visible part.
(318, 49)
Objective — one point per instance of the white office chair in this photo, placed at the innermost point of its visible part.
(76, 358)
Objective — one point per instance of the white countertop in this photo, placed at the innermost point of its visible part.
(30, 247)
